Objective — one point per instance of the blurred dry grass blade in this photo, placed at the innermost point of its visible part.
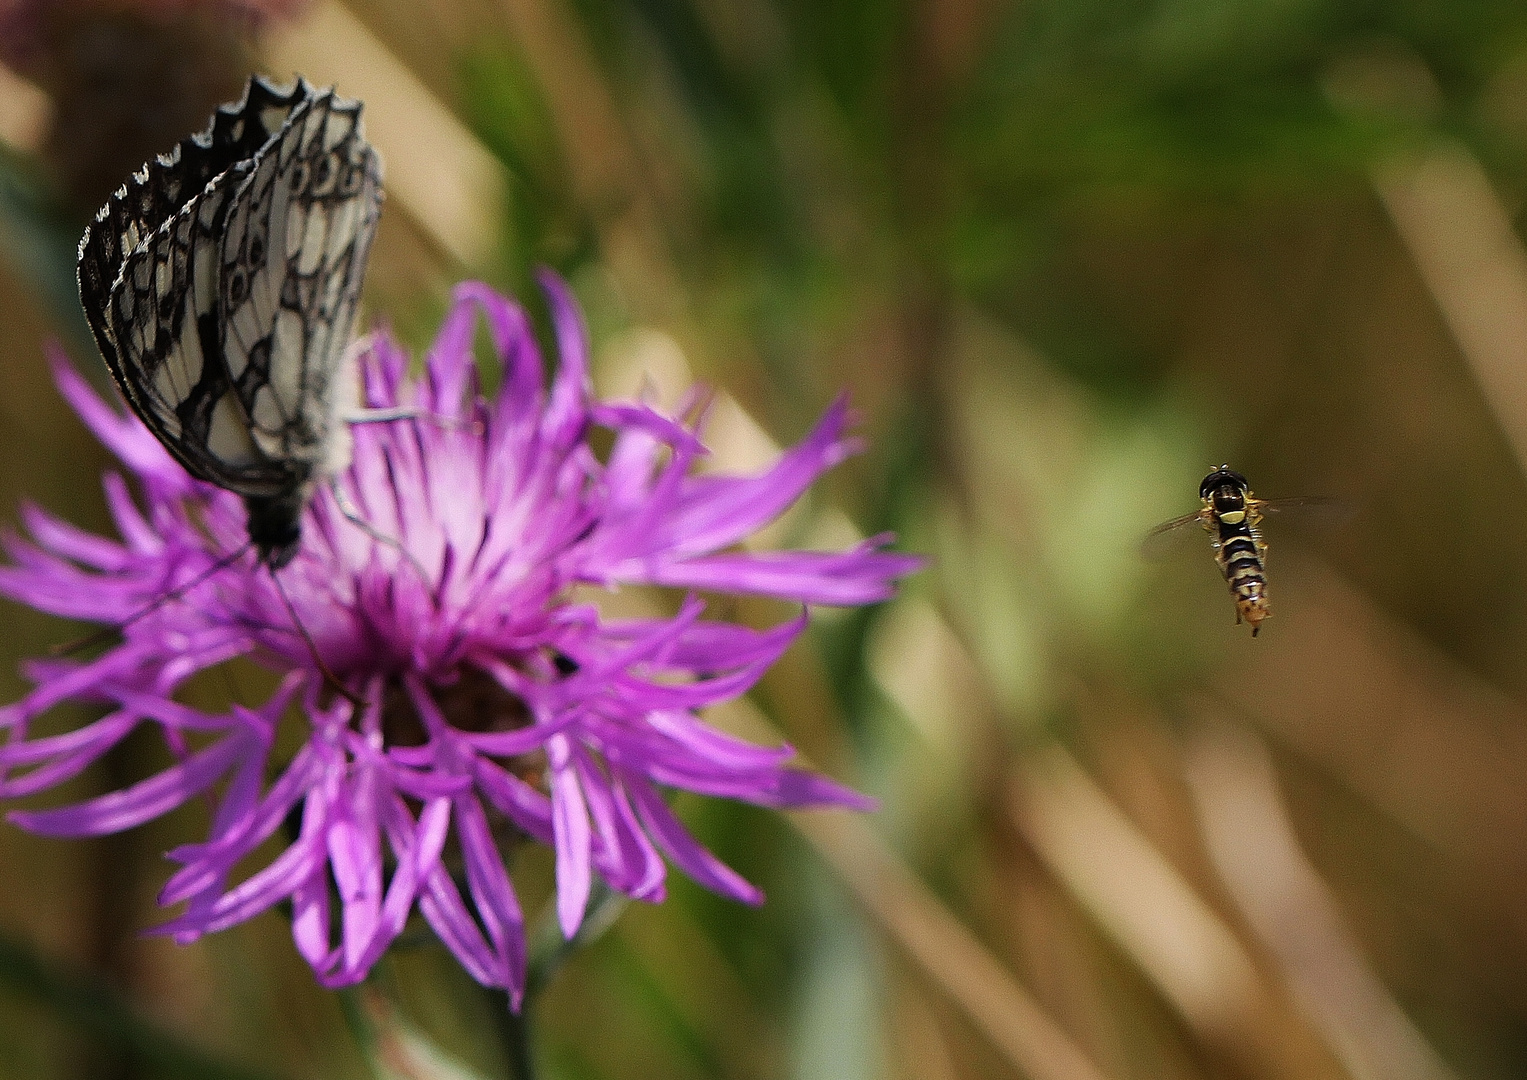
(1138, 897)
(920, 664)
(922, 1042)
(436, 168)
(607, 171)
(24, 113)
(1253, 845)
(1461, 238)
(1405, 726)
(395, 1048)
(914, 918)
(948, 952)
(603, 162)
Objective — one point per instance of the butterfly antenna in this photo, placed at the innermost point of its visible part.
(106, 633)
(323, 669)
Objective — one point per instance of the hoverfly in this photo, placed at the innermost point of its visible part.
(1231, 516)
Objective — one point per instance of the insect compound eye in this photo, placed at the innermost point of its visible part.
(1222, 477)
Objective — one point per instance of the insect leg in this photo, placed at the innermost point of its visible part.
(307, 638)
(106, 632)
(381, 416)
(408, 412)
(352, 514)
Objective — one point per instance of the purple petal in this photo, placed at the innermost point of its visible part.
(522, 804)
(311, 918)
(123, 435)
(704, 646)
(417, 859)
(280, 879)
(355, 859)
(64, 539)
(492, 891)
(682, 848)
(570, 828)
(73, 753)
(512, 339)
(82, 682)
(449, 364)
(142, 801)
(440, 904)
(567, 411)
(138, 533)
(797, 787)
(717, 746)
(310, 895)
(626, 416)
(206, 865)
(719, 511)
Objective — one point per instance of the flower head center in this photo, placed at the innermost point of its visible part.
(475, 702)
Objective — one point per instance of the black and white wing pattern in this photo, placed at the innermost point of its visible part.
(293, 254)
(221, 283)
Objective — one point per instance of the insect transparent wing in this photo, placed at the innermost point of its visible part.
(1309, 515)
(1169, 535)
(293, 256)
(1314, 507)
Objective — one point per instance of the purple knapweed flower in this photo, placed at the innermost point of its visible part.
(496, 699)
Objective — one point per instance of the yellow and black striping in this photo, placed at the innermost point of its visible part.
(1231, 517)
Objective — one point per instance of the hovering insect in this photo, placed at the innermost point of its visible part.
(1231, 516)
(221, 284)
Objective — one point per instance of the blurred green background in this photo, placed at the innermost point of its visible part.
(1066, 256)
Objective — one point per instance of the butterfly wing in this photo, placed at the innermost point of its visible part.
(293, 256)
(149, 286)
(221, 284)
(162, 188)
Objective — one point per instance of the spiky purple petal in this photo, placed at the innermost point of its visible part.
(523, 710)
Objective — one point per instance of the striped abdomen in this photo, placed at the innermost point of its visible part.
(1239, 549)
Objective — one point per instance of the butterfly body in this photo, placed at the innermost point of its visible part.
(221, 284)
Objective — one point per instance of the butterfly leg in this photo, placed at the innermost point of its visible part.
(302, 631)
(352, 514)
(106, 633)
(409, 412)
(381, 416)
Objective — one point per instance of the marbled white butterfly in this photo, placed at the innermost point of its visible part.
(221, 283)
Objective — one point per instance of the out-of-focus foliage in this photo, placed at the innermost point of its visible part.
(1066, 255)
